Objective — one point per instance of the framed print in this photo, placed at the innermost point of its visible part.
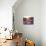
(28, 20)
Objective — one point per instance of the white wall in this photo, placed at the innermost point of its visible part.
(6, 13)
(27, 29)
(29, 8)
(6, 17)
(43, 22)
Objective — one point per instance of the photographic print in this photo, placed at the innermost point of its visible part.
(28, 20)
